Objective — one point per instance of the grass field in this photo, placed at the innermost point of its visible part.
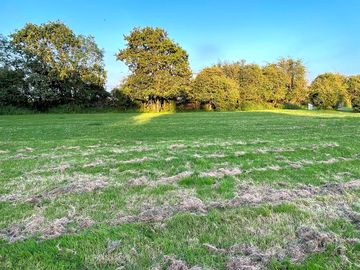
(236, 190)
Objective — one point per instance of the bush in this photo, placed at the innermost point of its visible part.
(189, 106)
(67, 108)
(291, 106)
(214, 90)
(253, 106)
(122, 101)
(83, 108)
(7, 110)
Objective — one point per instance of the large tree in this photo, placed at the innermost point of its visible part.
(251, 83)
(231, 70)
(159, 67)
(353, 89)
(214, 90)
(60, 66)
(274, 84)
(296, 84)
(328, 91)
(250, 79)
(12, 77)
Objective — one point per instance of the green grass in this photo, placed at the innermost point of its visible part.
(68, 180)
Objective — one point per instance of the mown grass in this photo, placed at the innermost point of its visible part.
(149, 163)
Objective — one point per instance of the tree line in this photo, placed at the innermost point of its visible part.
(48, 65)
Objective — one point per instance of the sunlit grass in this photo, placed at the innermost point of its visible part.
(314, 113)
(54, 166)
(147, 117)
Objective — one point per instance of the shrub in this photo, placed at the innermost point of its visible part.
(9, 109)
(253, 106)
(291, 106)
(190, 106)
(121, 101)
(98, 107)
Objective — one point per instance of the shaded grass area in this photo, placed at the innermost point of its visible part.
(65, 179)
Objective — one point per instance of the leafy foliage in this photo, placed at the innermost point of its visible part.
(328, 91)
(213, 89)
(251, 81)
(296, 83)
(159, 67)
(48, 65)
(277, 83)
(121, 100)
(356, 103)
(12, 78)
(353, 87)
(274, 84)
(12, 87)
(56, 66)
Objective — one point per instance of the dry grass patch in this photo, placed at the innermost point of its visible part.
(221, 172)
(307, 241)
(25, 150)
(38, 226)
(36, 188)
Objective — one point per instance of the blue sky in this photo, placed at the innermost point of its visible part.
(325, 34)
